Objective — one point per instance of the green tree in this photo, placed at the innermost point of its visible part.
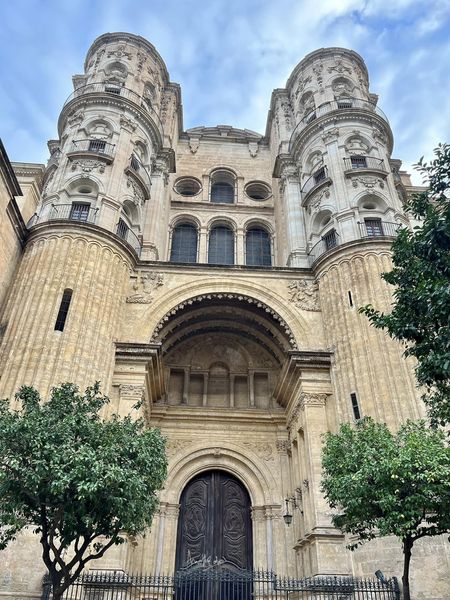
(79, 482)
(388, 484)
(421, 276)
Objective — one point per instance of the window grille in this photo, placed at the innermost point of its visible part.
(63, 310)
(374, 227)
(221, 246)
(320, 175)
(222, 193)
(330, 239)
(97, 146)
(257, 248)
(184, 244)
(112, 89)
(355, 406)
(122, 229)
(79, 212)
(345, 103)
(358, 162)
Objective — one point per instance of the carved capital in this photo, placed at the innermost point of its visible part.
(312, 400)
(283, 446)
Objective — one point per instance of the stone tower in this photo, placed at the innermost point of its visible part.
(216, 273)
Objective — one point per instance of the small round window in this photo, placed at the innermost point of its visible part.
(188, 186)
(256, 190)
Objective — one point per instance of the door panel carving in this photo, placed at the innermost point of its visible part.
(214, 522)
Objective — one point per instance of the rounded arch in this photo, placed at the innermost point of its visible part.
(132, 212)
(187, 219)
(258, 223)
(228, 457)
(372, 201)
(221, 221)
(85, 178)
(100, 127)
(223, 167)
(321, 220)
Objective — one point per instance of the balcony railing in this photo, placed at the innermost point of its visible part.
(137, 169)
(364, 162)
(94, 146)
(84, 213)
(369, 228)
(72, 212)
(316, 179)
(118, 91)
(338, 105)
(127, 234)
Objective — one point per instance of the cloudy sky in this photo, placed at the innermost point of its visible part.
(228, 55)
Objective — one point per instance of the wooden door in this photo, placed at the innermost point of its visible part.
(214, 523)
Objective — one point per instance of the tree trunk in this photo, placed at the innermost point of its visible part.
(407, 548)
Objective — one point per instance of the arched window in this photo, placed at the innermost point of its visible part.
(257, 248)
(184, 244)
(221, 246)
(222, 187)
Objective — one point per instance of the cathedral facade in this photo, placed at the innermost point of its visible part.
(215, 273)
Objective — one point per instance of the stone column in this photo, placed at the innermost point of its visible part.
(259, 537)
(205, 389)
(170, 538)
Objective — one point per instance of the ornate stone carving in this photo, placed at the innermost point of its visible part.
(303, 294)
(138, 194)
(128, 124)
(230, 296)
(356, 145)
(339, 67)
(283, 446)
(120, 52)
(75, 118)
(316, 200)
(87, 165)
(331, 135)
(128, 391)
(318, 72)
(286, 110)
(262, 450)
(194, 143)
(144, 286)
(175, 446)
(342, 88)
(367, 181)
(312, 400)
(301, 84)
(253, 148)
(379, 135)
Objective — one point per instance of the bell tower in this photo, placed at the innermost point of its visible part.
(104, 205)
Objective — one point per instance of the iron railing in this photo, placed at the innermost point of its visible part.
(316, 179)
(339, 105)
(369, 228)
(84, 213)
(72, 212)
(364, 162)
(118, 91)
(99, 147)
(128, 235)
(140, 172)
(377, 227)
(222, 584)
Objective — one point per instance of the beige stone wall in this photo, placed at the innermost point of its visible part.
(10, 245)
(32, 351)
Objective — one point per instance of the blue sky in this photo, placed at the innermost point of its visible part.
(228, 55)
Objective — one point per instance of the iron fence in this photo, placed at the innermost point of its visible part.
(224, 584)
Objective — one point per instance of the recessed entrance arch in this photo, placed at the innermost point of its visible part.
(214, 522)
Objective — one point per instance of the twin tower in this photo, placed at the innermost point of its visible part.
(217, 274)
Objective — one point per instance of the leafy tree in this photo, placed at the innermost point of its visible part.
(421, 274)
(388, 484)
(81, 483)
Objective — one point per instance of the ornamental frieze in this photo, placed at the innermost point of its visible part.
(144, 287)
(304, 294)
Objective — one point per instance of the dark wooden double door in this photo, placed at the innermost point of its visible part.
(214, 527)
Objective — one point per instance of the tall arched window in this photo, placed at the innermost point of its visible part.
(221, 246)
(257, 248)
(222, 187)
(184, 243)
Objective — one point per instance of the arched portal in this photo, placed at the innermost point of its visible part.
(214, 524)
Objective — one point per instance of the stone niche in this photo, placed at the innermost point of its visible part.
(221, 370)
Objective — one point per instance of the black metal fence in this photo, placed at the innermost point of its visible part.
(223, 584)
